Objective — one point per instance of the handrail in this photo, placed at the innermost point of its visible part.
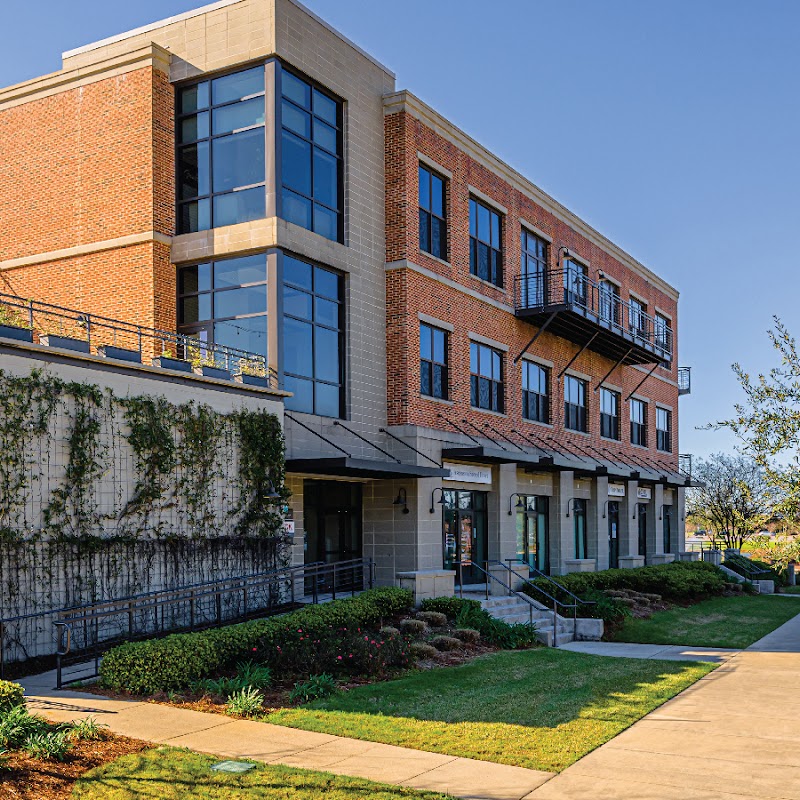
(749, 569)
(550, 579)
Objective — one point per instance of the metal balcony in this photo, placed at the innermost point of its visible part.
(570, 305)
(684, 380)
(685, 464)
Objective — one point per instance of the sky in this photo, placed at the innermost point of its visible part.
(672, 127)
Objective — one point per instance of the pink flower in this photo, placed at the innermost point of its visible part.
(338, 658)
(254, 649)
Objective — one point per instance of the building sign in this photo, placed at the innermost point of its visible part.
(616, 490)
(469, 473)
(644, 493)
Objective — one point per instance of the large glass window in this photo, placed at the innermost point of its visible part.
(533, 269)
(432, 213)
(432, 361)
(311, 157)
(662, 332)
(609, 302)
(535, 392)
(575, 402)
(637, 317)
(225, 302)
(638, 422)
(576, 283)
(486, 378)
(581, 534)
(485, 243)
(221, 151)
(609, 414)
(664, 430)
(313, 341)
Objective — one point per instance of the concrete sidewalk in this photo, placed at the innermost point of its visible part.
(274, 744)
(668, 652)
(733, 734)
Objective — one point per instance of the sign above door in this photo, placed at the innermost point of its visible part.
(469, 473)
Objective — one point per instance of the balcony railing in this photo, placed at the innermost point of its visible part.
(592, 308)
(45, 323)
(685, 464)
(684, 380)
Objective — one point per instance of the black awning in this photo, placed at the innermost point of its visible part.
(347, 467)
(494, 455)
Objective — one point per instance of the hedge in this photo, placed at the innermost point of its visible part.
(679, 581)
(177, 661)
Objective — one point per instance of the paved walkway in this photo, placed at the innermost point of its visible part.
(669, 652)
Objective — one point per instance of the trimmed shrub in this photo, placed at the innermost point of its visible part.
(421, 650)
(11, 695)
(468, 635)
(413, 627)
(433, 618)
(445, 643)
(495, 631)
(389, 630)
(449, 606)
(310, 639)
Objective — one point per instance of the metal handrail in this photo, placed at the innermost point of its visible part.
(549, 579)
(47, 319)
(489, 576)
(571, 287)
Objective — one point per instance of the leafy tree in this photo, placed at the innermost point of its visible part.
(735, 500)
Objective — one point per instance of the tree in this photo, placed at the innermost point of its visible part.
(735, 500)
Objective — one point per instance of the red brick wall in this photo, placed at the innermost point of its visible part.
(409, 294)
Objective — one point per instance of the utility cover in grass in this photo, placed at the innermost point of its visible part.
(232, 766)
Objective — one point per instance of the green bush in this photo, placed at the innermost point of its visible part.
(449, 606)
(315, 688)
(245, 703)
(11, 694)
(609, 609)
(300, 640)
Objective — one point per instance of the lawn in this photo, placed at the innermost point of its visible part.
(170, 774)
(541, 709)
(734, 622)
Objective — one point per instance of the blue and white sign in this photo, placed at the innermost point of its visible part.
(469, 473)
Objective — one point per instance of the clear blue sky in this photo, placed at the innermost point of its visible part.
(673, 127)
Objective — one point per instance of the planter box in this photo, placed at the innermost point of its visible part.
(176, 364)
(253, 380)
(214, 372)
(19, 334)
(65, 342)
(119, 353)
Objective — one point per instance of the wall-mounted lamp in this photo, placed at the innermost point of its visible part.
(520, 502)
(401, 500)
(605, 508)
(440, 501)
(565, 250)
(272, 492)
(571, 500)
(661, 512)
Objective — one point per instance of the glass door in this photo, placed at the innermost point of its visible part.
(641, 517)
(465, 534)
(613, 534)
(532, 533)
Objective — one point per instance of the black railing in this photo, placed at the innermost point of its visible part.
(684, 380)
(113, 338)
(84, 633)
(685, 464)
(543, 291)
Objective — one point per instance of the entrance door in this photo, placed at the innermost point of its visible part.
(465, 534)
(667, 515)
(332, 519)
(613, 534)
(532, 533)
(641, 516)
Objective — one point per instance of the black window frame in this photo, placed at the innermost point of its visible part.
(576, 416)
(610, 422)
(496, 386)
(638, 428)
(662, 331)
(427, 366)
(535, 404)
(427, 216)
(664, 435)
(533, 267)
(638, 320)
(609, 302)
(495, 253)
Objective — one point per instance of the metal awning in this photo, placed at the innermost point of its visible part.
(348, 467)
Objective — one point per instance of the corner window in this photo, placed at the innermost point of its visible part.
(485, 243)
(575, 402)
(432, 213)
(664, 430)
(310, 156)
(609, 414)
(221, 160)
(313, 338)
(535, 392)
(662, 333)
(581, 536)
(639, 422)
(486, 378)
(432, 361)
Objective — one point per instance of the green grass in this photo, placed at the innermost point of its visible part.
(541, 709)
(790, 589)
(170, 774)
(734, 622)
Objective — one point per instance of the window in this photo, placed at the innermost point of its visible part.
(486, 379)
(225, 303)
(581, 537)
(637, 317)
(576, 283)
(311, 157)
(662, 332)
(485, 244)
(221, 151)
(639, 422)
(609, 414)
(608, 295)
(574, 403)
(432, 216)
(432, 361)
(313, 340)
(664, 430)
(533, 270)
(535, 392)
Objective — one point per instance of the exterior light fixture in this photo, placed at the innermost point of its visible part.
(605, 508)
(520, 502)
(440, 501)
(571, 500)
(272, 493)
(402, 500)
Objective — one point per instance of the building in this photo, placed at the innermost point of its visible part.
(477, 374)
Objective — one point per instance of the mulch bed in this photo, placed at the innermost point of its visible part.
(25, 778)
